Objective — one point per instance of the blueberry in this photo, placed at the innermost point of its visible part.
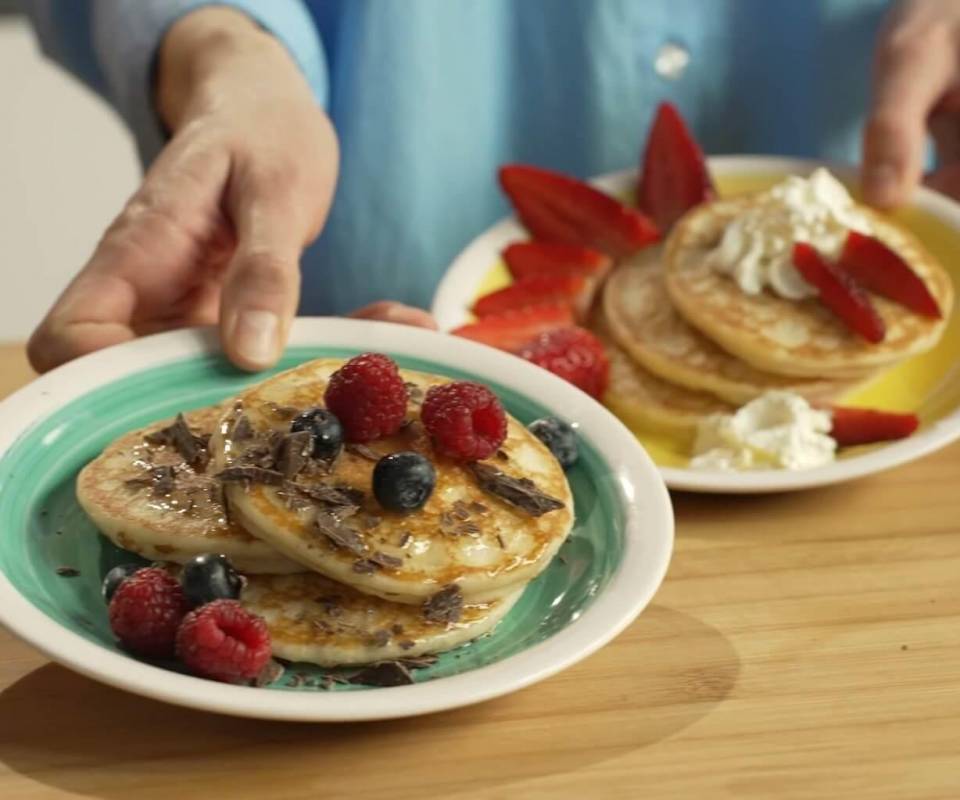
(326, 429)
(403, 481)
(559, 437)
(210, 577)
(116, 576)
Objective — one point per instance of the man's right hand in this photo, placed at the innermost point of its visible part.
(215, 232)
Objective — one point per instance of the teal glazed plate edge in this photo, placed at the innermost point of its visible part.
(52, 558)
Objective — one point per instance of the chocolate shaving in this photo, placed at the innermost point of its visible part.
(500, 541)
(521, 493)
(67, 572)
(242, 429)
(248, 475)
(460, 510)
(406, 644)
(331, 605)
(502, 455)
(339, 534)
(380, 638)
(445, 606)
(339, 499)
(364, 566)
(370, 522)
(272, 671)
(385, 560)
(478, 508)
(363, 451)
(405, 538)
(419, 662)
(192, 449)
(386, 673)
(467, 529)
(162, 479)
(294, 452)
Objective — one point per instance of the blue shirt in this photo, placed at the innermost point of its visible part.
(430, 96)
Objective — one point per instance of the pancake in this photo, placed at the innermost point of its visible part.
(316, 620)
(644, 400)
(789, 337)
(641, 318)
(168, 526)
(463, 535)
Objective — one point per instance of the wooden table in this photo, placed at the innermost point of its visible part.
(803, 646)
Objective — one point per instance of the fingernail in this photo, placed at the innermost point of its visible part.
(255, 336)
(881, 183)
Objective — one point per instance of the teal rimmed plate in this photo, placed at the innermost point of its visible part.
(52, 559)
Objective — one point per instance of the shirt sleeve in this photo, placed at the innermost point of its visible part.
(112, 44)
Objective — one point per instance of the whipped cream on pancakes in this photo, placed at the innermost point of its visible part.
(779, 430)
(756, 247)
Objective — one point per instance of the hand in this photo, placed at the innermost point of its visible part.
(916, 88)
(215, 233)
(387, 311)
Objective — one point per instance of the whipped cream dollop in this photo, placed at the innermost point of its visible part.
(779, 430)
(757, 246)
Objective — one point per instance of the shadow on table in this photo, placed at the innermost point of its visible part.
(664, 673)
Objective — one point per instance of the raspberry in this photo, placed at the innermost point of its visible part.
(224, 641)
(573, 353)
(464, 419)
(368, 396)
(145, 612)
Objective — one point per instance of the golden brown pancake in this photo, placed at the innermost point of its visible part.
(789, 337)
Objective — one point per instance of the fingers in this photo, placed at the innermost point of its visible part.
(914, 65)
(387, 311)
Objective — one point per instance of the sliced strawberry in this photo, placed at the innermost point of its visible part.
(575, 291)
(573, 353)
(557, 208)
(525, 259)
(883, 271)
(839, 292)
(514, 329)
(865, 425)
(674, 177)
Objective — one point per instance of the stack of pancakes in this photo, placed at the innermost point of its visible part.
(685, 341)
(339, 579)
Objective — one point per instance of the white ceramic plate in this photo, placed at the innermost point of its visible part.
(68, 414)
(472, 267)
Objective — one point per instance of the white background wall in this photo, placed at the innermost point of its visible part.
(66, 167)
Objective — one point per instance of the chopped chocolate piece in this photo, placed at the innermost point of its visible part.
(521, 493)
(192, 449)
(67, 572)
(414, 392)
(467, 529)
(502, 455)
(295, 450)
(365, 566)
(269, 477)
(460, 511)
(242, 429)
(339, 534)
(380, 638)
(405, 538)
(343, 500)
(363, 451)
(331, 605)
(272, 671)
(444, 606)
(370, 522)
(162, 479)
(500, 541)
(406, 644)
(386, 673)
(384, 560)
(478, 508)
(396, 628)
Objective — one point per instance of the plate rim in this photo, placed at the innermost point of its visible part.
(611, 611)
(448, 308)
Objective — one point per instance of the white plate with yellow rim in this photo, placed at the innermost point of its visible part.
(928, 385)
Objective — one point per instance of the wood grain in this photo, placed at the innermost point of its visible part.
(803, 646)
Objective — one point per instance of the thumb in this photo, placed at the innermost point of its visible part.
(261, 287)
(911, 73)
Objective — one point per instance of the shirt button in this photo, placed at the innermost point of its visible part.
(671, 61)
